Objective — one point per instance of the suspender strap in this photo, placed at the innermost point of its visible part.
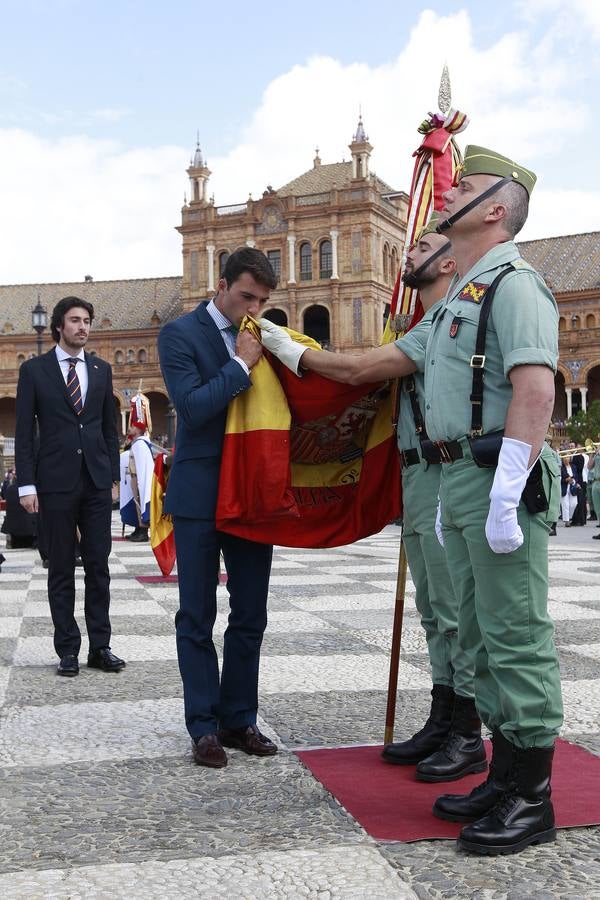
(478, 358)
(411, 390)
(449, 222)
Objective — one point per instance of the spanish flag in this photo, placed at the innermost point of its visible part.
(162, 538)
(307, 462)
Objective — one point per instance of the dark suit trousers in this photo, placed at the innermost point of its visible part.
(233, 702)
(89, 509)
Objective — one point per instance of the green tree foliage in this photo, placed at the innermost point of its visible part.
(585, 424)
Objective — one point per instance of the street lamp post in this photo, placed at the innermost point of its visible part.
(39, 323)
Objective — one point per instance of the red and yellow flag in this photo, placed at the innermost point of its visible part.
(308, 462)
(162, 537)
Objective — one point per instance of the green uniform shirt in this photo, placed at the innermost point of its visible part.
(414, 344)
(593, 474)
(522, 329)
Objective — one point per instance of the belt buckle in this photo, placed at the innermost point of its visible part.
(477, 361)
(445, 456)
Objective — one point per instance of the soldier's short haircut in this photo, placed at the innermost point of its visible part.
(516, 200)
(253, 261)
(63, 306)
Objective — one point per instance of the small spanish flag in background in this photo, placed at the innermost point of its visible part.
(162, 537)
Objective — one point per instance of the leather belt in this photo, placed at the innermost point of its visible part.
(409, 458)
(441, 451)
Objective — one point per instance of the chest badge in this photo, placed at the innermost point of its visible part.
(474, 291)
(454, 327)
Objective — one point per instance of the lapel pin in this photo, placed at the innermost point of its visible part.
(95, 366)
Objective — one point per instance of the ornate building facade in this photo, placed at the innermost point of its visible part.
(334, 235)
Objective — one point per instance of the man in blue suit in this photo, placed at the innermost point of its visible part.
(205, 364)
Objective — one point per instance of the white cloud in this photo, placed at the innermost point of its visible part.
(561, 212)
(80, 205)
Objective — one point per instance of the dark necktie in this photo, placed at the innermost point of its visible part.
(73, 386)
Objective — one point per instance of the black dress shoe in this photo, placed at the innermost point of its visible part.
(68, 666)
(105, 659)
(249, 739)
(208, 751)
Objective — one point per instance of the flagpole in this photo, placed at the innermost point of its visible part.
(390, 714)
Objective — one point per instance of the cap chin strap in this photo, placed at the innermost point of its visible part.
(418, 272)
(449, 222)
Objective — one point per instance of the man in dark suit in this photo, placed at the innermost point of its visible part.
(66, 471)
(205, 364)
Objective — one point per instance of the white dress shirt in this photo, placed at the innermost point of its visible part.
(81, 368)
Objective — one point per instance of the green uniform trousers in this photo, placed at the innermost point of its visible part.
(503, 604)
(595, 496)
(435, 600)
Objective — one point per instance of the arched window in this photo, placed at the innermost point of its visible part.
(386, 263)
(277, 316)
(130, 356)
(562, 324)
(20, 359)
(575, 323)
(119, 358)
(590, 321)
(305, 262)
(325, 259)
(394, 264)
(316, 324)
(142, 356)
(223, 257)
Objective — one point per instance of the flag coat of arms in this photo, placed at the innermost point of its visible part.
(308, 462)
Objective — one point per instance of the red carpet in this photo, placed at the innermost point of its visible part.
(156, 579)
(169, 579)
(392, 806)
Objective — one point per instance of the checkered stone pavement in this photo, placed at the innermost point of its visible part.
(100, 796)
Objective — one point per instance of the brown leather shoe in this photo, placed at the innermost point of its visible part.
(249, 739)
(208, 751)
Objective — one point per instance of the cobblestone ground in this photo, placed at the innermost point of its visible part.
(100, 797)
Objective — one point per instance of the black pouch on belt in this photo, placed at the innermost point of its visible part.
(485, 449)
(534, 495)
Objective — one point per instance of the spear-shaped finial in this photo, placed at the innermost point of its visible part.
(445, 92)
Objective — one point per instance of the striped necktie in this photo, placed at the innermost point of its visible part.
(73, 386)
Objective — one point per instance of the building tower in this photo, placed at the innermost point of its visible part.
(199, 173)
(360, 148)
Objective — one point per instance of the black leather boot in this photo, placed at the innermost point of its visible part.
(469, 807)
(524, 815)
(431, 736)
(139, 536)
(462, 752)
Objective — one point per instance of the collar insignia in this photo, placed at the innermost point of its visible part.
(473, 291)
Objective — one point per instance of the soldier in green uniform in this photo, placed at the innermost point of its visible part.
(449, 745)
(489, 397)
(594, 479)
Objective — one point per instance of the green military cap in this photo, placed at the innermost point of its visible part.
(430, 228)
(481, 161)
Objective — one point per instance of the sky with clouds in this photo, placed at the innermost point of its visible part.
(100, 103)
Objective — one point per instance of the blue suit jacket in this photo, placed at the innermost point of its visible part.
(201, 379)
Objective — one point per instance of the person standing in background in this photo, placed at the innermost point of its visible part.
(66, 473)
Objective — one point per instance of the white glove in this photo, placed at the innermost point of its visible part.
(281, 345)
(438, 523)
(502, 528)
